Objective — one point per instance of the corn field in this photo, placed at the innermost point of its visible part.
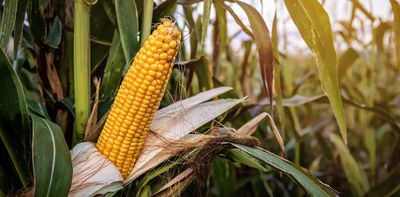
(199, 98)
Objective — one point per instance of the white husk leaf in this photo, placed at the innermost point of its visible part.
(190, 140)
(164, 113)
(93, 173)
(178, 124)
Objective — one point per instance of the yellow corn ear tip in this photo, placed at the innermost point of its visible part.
(139, 97)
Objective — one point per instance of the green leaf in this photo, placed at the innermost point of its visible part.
(153, 174)
(51, 159)
(38, 109)
(43, 3)
(19, 24)
(128, 27)
(203, 70)
(55, 34)
(14, 120)
(310, 184)
(7, 22)
(222, 25)
(277, 74)
(264, 46)
(224, 176)
(346, 60)
(241, 157)
(114, 69)
(396, 11)
(355, 175)
(313, 23)
(101, 32)
(205, 22)
(37, 22)
(163, 9)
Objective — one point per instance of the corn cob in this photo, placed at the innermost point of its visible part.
(139, 97)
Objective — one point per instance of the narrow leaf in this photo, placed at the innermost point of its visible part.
(163, 9)
(55, 34)
(244, 158)
(356, 176)
(205, 22)
(37, 21)
(396, 11)
(183, 175)
(277, 74)
(251, 126)
(346, 60)
(19, 24)
(309, 183)
(313, 23)
(128, 27)
(115, 66)
(264, 46)
(7, 22)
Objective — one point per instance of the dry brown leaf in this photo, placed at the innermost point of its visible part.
(183, 175)
(276, 133)
(251, 126)
(91, 123)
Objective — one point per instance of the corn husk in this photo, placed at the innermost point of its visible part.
(94, 174)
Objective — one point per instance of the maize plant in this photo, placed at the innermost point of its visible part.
(212, 98)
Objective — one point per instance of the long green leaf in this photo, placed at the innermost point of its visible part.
(313, 23)
(241, 157)
(346, 60)
(19, 23)
(37, 22)
(310, 184)
(396, 26)
(163, 9)
(55, 34)
(205, 22)
(14, 120)
(128, 27)
(224, 176)
(51, 159)
(355, 175)
(113, 71)
(277, 75)
(7, 22)
(101, 32)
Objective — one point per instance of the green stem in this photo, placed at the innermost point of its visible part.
(81, 66)
(146, 20)
(14, 159)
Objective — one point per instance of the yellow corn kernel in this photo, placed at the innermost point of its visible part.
(138, 98)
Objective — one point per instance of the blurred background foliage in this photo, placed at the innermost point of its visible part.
(226, 43)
